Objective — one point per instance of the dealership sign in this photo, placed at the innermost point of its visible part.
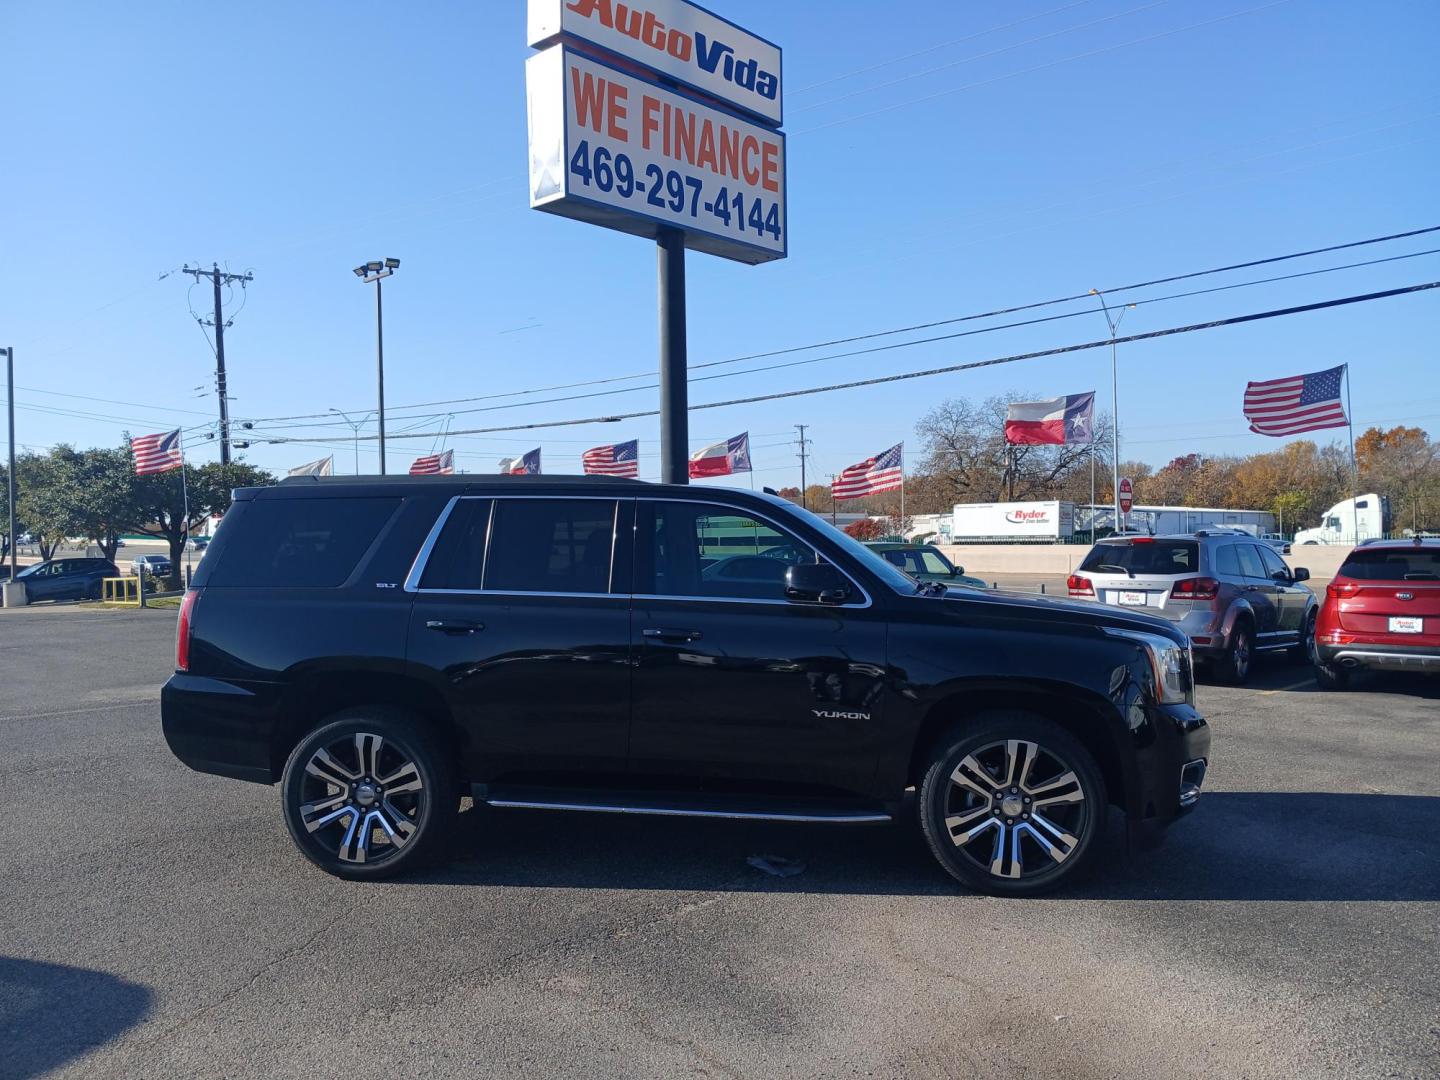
(613, 148)
(676, 39)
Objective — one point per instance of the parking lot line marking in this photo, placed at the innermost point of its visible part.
(79, 712)
(1293, 686)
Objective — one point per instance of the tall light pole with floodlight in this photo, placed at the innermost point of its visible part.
(377, 272)
(1112, 321)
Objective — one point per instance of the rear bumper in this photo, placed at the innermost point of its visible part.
(1381, 657)
(222, 727)
(1173, 769)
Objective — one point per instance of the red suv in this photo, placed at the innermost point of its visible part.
(1381, 613)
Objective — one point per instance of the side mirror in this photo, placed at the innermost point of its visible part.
(1301, 574)
(957, 572)
(815, 583)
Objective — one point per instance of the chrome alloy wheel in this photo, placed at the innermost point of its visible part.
(362, 797)
(1016, 809)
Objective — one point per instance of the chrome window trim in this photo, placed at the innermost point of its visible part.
(422, 557)
(747, 512)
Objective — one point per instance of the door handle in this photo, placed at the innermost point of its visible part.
(454, 626)
(667, 634)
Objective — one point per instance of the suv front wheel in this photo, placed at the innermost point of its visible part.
(1012, 804)
(369, 794)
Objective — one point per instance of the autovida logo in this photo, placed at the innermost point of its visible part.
(710, 55)
(1026, 517)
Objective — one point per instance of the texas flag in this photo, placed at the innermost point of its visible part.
(526, 465)
(1069, 419)
(722, 459)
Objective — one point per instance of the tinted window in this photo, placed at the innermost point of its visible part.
(1154, 557)
(1392, 564)
(551, 545)
(1250, 564)
(1273, 563)
(700, 550)
(458, 557)
(301, 542)
(1226, 562)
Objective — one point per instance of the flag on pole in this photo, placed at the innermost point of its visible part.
(442, 464)
(156, 453)
(883, 472)
(1061, 420)
(621, 459)
(723, 458)
(1299, 403)
(526, 465)
(324, 467)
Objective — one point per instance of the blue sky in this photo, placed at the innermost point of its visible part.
(944, 158)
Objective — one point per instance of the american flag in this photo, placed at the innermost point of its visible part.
(434, 464)
(1299, 403)
(621, 459)
(156, 453)
(883, 472)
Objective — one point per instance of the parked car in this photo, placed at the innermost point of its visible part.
(66, 579)
(379, 646)
(925, 562)
(154, 565)
(197, 543)
(1381, 613)
(1231, 594)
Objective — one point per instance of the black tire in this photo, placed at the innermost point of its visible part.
(1235, 666)
(372, 785)
(1331, 678)
(1304, 650)
(996, 743)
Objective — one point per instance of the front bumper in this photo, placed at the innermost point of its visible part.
(1422, 658)
(1171, 773)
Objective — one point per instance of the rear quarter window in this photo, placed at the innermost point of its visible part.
(300, 543)
(1156, 557)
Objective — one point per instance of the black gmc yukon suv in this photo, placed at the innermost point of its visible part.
(382, 646)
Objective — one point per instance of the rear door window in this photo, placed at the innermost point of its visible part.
(1152, 557)
(1227, 564)
(550, 546)
(301, 543)
(458, 558)
(1392, 564)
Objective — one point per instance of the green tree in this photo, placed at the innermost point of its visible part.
(44, 500)
(95, 493)
(162, 502)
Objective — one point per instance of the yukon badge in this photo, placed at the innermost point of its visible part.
(839, 714)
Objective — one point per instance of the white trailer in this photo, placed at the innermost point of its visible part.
(1164, 520)
(1012, 522)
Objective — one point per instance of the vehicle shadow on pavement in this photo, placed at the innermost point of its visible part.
(53, 1013)
(1295, 846)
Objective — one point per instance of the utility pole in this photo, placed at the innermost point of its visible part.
(219, 278)
(834, 519)
(802, 444)
(674, 366)
(10, 477)
(1113, 321)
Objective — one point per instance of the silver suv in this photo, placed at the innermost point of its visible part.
(1232, 594)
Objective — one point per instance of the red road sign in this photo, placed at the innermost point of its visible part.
(1127, 495)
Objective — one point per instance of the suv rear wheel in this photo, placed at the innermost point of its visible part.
(1234, 666)
(369, 794)
(1012, 804)
(1305, 650)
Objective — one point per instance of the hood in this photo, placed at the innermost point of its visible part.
(1060, 609)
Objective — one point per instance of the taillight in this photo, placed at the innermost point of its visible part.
(182, 630)
(1195, 588)
(1342, 590)
(1079, 586)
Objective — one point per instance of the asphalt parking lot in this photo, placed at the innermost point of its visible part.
(158, 923)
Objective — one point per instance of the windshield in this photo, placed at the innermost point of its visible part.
(873, 561)
(30, 571)
(1156, 557)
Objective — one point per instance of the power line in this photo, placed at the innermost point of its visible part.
(1013, 309)
(952, 368)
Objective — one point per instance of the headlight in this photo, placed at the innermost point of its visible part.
(1172, 665)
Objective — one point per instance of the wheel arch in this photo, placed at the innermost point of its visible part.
(1091, 721)
(315, 696)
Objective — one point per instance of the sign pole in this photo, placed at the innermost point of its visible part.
(674, 371)
(10, 479)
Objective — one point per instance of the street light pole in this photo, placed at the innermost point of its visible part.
(355, 426)
(1114, 323)
(10, 477)
(376, 272)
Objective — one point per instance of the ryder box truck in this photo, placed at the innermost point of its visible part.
(1012, 522)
